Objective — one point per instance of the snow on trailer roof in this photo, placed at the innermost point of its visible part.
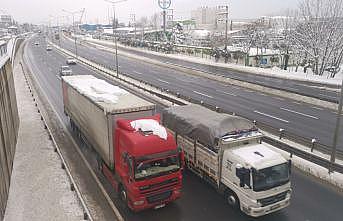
(111, 98)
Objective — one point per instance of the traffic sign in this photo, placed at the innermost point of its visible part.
(164, 4)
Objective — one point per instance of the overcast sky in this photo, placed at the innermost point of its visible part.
(38, 11)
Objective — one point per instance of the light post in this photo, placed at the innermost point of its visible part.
(164, 5)
(114, 26)
(74, 31)
(338, 122)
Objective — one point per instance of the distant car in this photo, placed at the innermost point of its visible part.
(71, 60)
(48, 48)
(65, 71)
(36, 43)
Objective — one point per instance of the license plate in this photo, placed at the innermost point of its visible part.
(160, 206)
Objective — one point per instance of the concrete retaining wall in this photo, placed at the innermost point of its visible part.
(9, 124)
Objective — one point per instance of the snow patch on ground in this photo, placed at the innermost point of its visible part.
(322, 173)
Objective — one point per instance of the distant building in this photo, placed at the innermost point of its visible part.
(205, 17)
(6, 21)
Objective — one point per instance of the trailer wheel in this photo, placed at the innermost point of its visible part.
(232, 199)
(123, 194)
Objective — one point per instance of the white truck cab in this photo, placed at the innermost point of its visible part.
(258, 178)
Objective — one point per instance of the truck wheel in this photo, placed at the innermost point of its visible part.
(99, 165)
(232, 199)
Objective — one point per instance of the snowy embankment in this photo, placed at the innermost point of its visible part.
(272, 72)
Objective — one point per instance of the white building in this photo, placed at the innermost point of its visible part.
(205, 17)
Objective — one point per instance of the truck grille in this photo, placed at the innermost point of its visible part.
(158, 186)
(159, 197)
(272, 199)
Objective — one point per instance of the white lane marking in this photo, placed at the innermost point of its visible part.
(248, 91)
(294, 102)
(271, 116)
(318, 108)
(228, 93)
(291, 88)
(263, 94)
(163, 81)
(138, 72)
(197, 92)
(302, 114)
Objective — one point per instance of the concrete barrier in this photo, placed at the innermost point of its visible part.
(9, 125)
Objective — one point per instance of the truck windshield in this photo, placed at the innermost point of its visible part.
(270, 177)
(156, 167)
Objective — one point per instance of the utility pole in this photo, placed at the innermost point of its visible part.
(336, 134)
(114, 26)
(74, 30)
(133, 18)
(225, 17)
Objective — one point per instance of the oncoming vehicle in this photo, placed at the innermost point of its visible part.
(65, 71)
(71, 60)
(48, 48)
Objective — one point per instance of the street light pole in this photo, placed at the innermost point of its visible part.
(338, 123)
(74, 30)
(114, 26)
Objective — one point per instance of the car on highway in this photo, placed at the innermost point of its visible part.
(48, 48)
(71, 60)
(65, 71)
(36, 43)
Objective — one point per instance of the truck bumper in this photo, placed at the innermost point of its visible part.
(152, 201)
(261, 211)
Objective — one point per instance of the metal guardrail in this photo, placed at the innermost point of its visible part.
(276, 131)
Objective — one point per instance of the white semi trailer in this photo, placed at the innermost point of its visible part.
(227, 152)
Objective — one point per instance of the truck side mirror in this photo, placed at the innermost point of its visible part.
(244, 176)
(289, 166)
(182, 158)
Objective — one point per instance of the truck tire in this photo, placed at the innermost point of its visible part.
(232, 199)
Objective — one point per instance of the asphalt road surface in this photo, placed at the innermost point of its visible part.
(316, 90)
(298, 118)
(312, 200)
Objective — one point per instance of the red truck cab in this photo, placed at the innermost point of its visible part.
(148, 169)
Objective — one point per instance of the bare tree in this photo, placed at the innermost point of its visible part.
(318, 33)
